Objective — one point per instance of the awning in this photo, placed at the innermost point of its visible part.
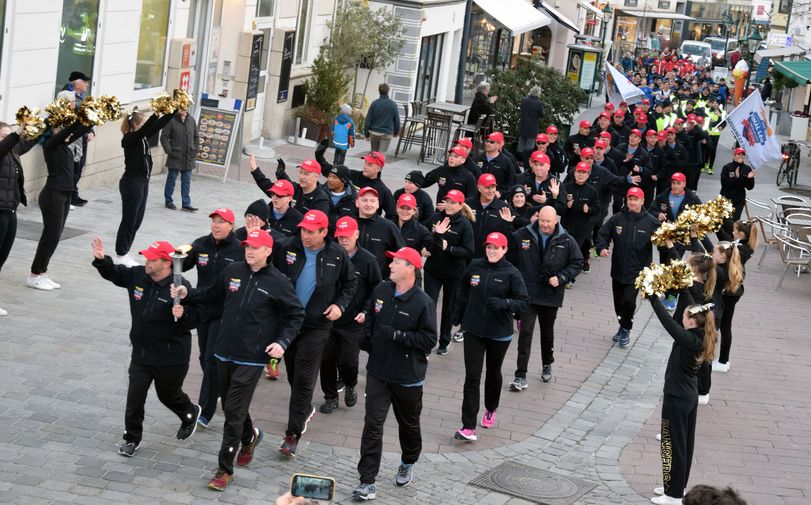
(798, 71)
(778, 52)
(656, 15)
(560, 18)
(518, 16)
(597, 12)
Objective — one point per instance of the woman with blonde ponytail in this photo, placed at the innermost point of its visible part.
(693, 344)
(731, 294)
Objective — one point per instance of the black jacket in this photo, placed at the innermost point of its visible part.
(531, 112)
(180, 141)
(452, 262)
(318, 199)
(259, 308)
(137, 155)
(734, 187)
(59, 158)
(488, 220)
(378, 235)
(367, 275)
(674, 159)
(156, 338)
(604, 179)
(561, 257)
(12, 178)
(481, 105)
(662, 204)
(489, 296)
(211, 257)
(448, 178)
(399, 333)
(633, 251)
(286, 226)
(639, 164)
(335, 277)
(472, 167)
(682, 364)
(344, 207)
(559, 203)
(623, 132)
(557, 158)
(578, 140)
(425, 205)
(574, 220)
(416, 236)
(502, 169)
(387, 202)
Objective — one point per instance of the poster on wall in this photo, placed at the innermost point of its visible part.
(287, 64)
(574, 65)
(589, 66)
(254, 68)
(217, 128)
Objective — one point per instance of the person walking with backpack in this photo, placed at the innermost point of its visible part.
(342, 134)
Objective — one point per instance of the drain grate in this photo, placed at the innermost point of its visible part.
(31, 230)
(533, 484)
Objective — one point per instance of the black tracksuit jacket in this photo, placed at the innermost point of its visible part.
(488, 220)
(574, 220)
(425, 205)
(448, 178)
(211, 257)
(416, 236)
(287, 226)
(502, 283)
(682, 364)
(501, 167)
(367, 276)
(734, 187)
(378, 235)
(452, 262)
(59, 158)
(559, 203)
(633, 250)
(318, 199)
(156, 338)
(137, 155)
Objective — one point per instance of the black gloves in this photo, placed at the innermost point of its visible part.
(494, 303)
(280, 168)
(322, 147)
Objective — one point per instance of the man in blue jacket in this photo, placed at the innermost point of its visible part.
(382, 121)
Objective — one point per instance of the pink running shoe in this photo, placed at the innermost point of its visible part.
(488, 419)
(466, 434)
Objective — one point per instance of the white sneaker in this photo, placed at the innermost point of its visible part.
(51, 282)
(666, 500)
(659, 438)
(703, 399)
(126, 260)
(38, 282)
(72, 207)
(3, 312)
(717, 366)
(660, 491)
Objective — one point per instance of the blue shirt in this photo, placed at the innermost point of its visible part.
(277, 216)
(675, 203)
(246, 363)
(336, 197)
(305, 285)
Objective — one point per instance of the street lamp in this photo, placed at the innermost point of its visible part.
(727, 27)
(753, 42)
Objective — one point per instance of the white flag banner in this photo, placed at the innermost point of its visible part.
(750, 125)
(619, 88)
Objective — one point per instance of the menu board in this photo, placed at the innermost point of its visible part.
(216, 129)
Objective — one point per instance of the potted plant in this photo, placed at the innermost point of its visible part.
(323, 91)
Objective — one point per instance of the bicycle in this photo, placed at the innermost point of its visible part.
(790, 165)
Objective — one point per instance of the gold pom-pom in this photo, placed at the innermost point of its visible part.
(163, 104)
(90, 112)
(670, 231)
(32, 125)
(702, 219)
(60, 113)
(182, 99)
(110, 108)
(658, 279)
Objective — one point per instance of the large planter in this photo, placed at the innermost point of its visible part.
(315, 132)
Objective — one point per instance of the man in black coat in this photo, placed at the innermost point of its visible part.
(579, 140)
(180, 141)
(493, 161)
(531, 112)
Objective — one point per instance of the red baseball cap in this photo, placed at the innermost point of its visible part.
(636, 132)
(282, 187)
(585, 124)
(314, 220)
(599, 143)
(460, 151)
(258, 238)
(605, 115)
(691, 117)
(679, 121)
(375, 157)
(486, 180)
(635, 191)
(455, 195)
(670, 130)
(605, 135)
(623, 104)
(619, 113)
(497, 239)
(408, 254)
(225, 213)
(551, 129)
(609, 106)
(645, 101)
(700, 119)
(678, 176)
(641, 118)
(650, 133)
(465, 142)
(159, 250)
(540, 157)
(662, 135)
(498, 137)
(345, 227)
(541, 137)
(367, 189)
(311, 166)
(582, 167)
(407, 200)
(586, 151)
(739, 150)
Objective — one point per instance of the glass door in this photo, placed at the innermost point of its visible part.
(429, 64)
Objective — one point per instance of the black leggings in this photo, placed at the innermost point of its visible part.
(8, 231)
(134, 192)
(726, 327)
(678, 439)
(624, 303)
(55, 206)
(449, 288)
(476, 350)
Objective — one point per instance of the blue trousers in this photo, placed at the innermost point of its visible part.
(185, 186)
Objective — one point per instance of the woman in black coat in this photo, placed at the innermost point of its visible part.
(482, 103)
(134, 184)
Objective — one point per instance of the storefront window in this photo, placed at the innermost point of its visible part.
(77, 39)
(303, 31)
(489, 48)
(152, 43)
(625, 40)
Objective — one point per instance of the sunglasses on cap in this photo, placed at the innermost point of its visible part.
(489, 141)
(589, 158)
(541, 143)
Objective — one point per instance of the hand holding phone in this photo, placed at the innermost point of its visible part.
(312, 486)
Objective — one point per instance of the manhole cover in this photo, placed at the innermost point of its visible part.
(533, 484)
(31, 230)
